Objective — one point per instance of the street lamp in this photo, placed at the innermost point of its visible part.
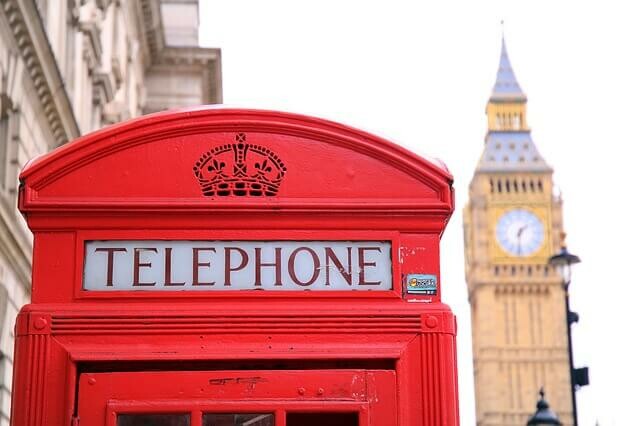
(543, 415)
(578, 377)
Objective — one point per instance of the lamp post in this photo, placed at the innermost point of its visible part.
(580, 377)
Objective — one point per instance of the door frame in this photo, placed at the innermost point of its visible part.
(55, 344)
(371, 393)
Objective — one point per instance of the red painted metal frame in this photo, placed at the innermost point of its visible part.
(135, 181)
(275, 392)
(279, 408)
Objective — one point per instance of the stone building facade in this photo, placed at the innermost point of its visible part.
(68, 67)
(512, 225)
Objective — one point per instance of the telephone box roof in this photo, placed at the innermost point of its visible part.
(149, 162)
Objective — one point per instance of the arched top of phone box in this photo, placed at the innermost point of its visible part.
(211, 159)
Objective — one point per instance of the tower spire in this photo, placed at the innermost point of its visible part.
(508, 144)
(506, 87)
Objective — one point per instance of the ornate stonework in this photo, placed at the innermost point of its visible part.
(30, 40)
(68, 67)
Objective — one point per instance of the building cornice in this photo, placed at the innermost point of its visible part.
(103, 89)
(188, 55)
(151, 28)
(41, 66)
(206, 59)
(88, 25)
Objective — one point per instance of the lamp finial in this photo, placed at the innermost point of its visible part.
(563, 240)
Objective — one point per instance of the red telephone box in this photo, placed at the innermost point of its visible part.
(235, 267)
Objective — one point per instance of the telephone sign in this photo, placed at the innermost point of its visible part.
(237, 265)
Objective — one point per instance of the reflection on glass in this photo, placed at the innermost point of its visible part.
(153, 420)
(322, 419)
(238, 420)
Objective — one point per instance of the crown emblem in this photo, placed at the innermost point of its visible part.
(239, 169)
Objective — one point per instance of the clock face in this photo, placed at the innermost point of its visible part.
(520, 232)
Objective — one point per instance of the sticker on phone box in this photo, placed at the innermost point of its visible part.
(422, 284)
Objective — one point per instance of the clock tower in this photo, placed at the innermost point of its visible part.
(512, 224)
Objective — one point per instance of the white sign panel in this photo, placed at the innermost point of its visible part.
(237, 265)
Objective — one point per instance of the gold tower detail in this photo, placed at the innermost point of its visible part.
(512, 224)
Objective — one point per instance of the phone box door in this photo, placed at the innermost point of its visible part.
(239, 398)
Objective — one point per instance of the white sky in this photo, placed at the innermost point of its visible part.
(420, 73)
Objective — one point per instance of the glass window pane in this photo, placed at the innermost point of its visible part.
(322, 419)
(154, 419)
(238, 420)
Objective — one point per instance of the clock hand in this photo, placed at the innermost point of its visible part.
(519, 234)
(521, 230)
